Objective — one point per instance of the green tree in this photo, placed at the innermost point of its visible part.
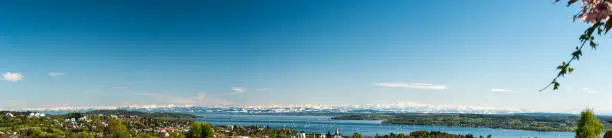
(588, 125)
(177, 135)
(356, 135)
(401, 135)
(116, 129)
(201, 130)
(312, 135)
(84, 135)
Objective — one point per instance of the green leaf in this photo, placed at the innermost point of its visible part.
(570, 2)
(556, 85)
(571, 70)
(583, 37)
(576, 54)
(608, 25)
(593, 44)
(599, 30)
(563, 65)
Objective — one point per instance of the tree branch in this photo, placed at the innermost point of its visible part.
(568, 64)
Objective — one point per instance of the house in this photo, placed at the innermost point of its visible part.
(166, 129)
(69, 120)
(84, 118)
(36, 115)
(9, 115)
(301, 135)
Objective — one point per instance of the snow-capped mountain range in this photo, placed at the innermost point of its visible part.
(295, 108)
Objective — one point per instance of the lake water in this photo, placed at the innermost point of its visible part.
(323, 124)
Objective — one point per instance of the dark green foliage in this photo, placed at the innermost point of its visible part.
(177, 135)
(564, 123)
(426, 134)
(116, 129)
(201, 130)
(356, 135)
(229, 131)
(87, 125)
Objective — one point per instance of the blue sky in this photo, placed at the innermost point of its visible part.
(112, 52)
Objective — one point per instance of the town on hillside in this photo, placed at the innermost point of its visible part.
(126, 124)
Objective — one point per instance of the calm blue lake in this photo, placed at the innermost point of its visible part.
(323, 124)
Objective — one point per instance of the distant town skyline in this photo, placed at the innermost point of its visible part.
(460, 53)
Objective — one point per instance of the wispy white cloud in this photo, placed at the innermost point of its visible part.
(119, 87)
(590, 91)
(238, 89)
(423, 107)
(56, 74)
(12, 77)
(503, 90)
(199, 99)
(413, 85)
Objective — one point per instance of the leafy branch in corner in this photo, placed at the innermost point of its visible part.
(565, 68)
(595, 12)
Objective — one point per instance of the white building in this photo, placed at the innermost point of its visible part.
(301, 135)
(36, 115)
(9, 115)
(84, 118)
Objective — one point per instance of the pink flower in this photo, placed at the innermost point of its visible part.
(595, 11)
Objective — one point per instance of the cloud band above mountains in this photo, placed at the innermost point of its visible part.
(412, 85)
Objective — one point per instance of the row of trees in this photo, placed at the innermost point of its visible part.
(197, 130)
(421, 134)
(523, 122)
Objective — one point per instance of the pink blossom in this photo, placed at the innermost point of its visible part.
(594, 11)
